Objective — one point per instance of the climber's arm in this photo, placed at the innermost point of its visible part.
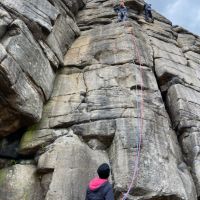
(116, 8)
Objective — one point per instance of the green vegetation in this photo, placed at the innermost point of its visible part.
(3, 174)
(26, 195)
(13, 162)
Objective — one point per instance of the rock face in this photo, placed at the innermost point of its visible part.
(67, 164)
(19, 182)
(33, 42)
(94, 111)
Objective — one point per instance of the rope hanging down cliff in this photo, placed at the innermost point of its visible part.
(140, 108)
(140, 115)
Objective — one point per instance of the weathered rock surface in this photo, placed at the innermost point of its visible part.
(5, 20)
(96, 97)
(19, 182)
(41, 12)
(18, 96)
(96, 46)
(184, 108)
(72, 164)
(64, 33)
(26, 68)
(179, 79)
(177, 70)
(93, 113)
(21, 46)
(162, 171)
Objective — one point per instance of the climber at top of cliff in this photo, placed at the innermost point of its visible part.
(121, 10)
(148, 13)
(99, 188)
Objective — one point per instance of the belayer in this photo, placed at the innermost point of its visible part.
(148, 13)
(121, 10)
(99, 188)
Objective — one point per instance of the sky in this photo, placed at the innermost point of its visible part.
(185, 13)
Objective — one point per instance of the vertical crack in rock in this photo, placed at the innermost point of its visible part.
(178, 80)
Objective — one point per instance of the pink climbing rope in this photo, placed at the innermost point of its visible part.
(140, 118)
(140, 122)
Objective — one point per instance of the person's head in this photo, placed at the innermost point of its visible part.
(121, 3)
(103, 171)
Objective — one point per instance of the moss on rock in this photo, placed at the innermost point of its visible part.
(3, 174)
(28, 137)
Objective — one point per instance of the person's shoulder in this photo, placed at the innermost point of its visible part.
(108, 188)
(116, 7)
(108, 185)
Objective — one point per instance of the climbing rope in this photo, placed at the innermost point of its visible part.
(140, 115)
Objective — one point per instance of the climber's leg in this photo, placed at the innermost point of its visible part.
(146, 14)
(125, 16)
(119, 17)
(150, 16)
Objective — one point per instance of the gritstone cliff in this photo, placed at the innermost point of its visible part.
(69, 81)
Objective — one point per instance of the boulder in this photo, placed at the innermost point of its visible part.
(43, 12)
(20, 101)
(19, 182)
(5, 20)
(21, 45)
(34, 140)
(26, 79)
(74, 5)
(184, 108)
(195, 57)
(168, 51)
(73, 164)
(26, 75)
(170, 73)
(63, 34)
(186, 40)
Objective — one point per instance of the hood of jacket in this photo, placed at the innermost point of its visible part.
(96, 183)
